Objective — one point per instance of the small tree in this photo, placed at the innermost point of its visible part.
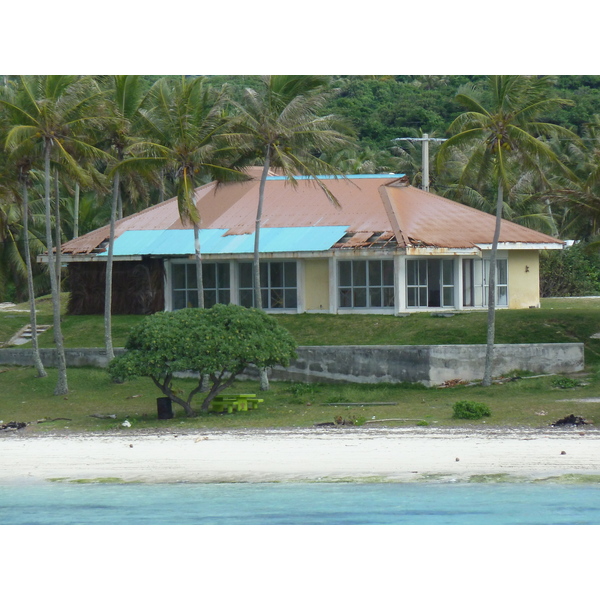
(219, 342)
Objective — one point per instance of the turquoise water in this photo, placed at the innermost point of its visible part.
(300, 504)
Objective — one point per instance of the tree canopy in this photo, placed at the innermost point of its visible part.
(218, 342)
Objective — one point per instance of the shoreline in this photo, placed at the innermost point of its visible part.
(373, 454)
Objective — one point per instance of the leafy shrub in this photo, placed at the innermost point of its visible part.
(564, 383)
(466, 409)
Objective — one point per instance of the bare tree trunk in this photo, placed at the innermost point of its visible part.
(37, 361)
(491, 326)
(110, 354)
(264, 380)
(61, 385)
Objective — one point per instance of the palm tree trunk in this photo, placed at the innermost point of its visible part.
(261, 198)
(57, 236)
(161, 187)
(110, 354)
(61, 384)
(552, 219)
(76, 213)
(264, 380)
(198, 258)
(491, 326)
(37, 361)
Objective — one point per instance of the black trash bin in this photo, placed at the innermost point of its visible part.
(165, 408)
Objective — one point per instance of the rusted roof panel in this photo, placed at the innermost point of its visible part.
(430, 220)
(375, 210)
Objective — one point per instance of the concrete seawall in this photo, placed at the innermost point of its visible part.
(430, 365)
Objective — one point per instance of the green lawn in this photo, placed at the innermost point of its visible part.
(524, 402)
(535, 402)
(559, 320)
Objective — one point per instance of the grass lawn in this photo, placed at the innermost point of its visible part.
(525, 402)
(534, 402)
(559, 320)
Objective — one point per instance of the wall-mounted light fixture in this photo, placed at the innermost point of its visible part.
(526, 268)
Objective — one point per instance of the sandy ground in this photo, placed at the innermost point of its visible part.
(302, 455)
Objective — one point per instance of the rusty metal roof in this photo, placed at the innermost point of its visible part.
(376, 210)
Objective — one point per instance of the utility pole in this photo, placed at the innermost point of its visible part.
(425, 160)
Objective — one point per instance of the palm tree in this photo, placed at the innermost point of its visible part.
(53, 113)
(494, 139)
(37, 361)
(124, 106)
(281, 127)
(186, 123)
(575, 202)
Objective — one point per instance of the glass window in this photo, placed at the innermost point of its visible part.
(278, 285)
(215, 279)
(366, 283)
(475, 282)
(430, 282)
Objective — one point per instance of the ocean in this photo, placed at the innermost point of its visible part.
(61, 503)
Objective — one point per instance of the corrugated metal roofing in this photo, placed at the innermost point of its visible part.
(180, 242)
(369, 205)
(431, 220)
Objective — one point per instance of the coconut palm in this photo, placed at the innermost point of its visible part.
(494, 139)
(124, 103)
(281, 127)
(24, 169)
(575, 202)
(185, 121)
(54, 113)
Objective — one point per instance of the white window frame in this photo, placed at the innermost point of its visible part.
(480, 286)
(422, 285)
(367, 287)
(169, 300)
(269, 288)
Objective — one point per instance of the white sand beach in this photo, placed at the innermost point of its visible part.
(414, 454)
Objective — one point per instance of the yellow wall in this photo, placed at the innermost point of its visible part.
(316, 284)
(523, 278)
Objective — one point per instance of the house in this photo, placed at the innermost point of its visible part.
(387, 248)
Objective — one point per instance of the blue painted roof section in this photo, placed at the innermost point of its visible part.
(370, 176)
(175, 242)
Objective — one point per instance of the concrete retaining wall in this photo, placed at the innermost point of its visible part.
(430, 365)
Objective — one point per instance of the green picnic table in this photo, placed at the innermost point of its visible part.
(237, 402)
